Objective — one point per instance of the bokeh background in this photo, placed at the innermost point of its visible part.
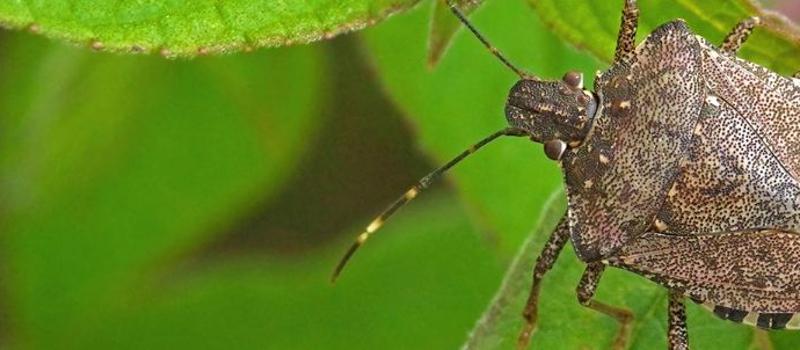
(202, 204)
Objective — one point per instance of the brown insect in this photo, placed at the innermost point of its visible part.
(683, 166)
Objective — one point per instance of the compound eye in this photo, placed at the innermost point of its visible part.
(573, 79)
(554, 149)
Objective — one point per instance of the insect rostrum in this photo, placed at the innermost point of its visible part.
(682, 165)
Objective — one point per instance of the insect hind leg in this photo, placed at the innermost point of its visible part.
(677, 333)
(739, 34)
(544, 263)
(586, 289)
(626, 40)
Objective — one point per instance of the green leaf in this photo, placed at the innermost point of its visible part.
(593, 25)
(444, 26)
(193, 27)
(109, 165)
(428, 281)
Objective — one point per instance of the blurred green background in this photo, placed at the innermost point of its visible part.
(152, 203)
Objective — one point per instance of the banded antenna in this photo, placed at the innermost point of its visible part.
(426, 181)
(414, 191)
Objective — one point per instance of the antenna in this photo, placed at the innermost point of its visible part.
(496, 52)
(415, 190)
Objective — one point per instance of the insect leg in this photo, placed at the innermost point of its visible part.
(677, 335)
(739, 34)
(544, 263)
(586, 289)
(626, 41)
(796, 75)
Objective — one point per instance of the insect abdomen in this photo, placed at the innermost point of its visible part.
(765, 320)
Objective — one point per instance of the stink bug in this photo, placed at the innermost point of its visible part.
(681, 166)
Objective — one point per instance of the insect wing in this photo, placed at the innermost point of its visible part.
(617, 180)
(750, 276)
(769, 102)
(732, 181)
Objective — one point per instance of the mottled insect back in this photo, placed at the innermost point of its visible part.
(683, 166)
(619, 177)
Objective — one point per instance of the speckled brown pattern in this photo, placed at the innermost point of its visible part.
(732, 200)
(617, 180)
(734, 40)
(682, 168)
(768, 102)
(689, 176)
(626, 40)
(754, 271)
(731, 181)
(677, 334)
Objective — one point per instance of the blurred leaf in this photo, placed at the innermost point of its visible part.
(110, 166)
(462, 101)
(418, 285)
(593, 25)
(189, 28)
(444, 26)
(362, 161)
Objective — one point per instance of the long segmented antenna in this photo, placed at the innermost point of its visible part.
(496, 52)
(412, 193)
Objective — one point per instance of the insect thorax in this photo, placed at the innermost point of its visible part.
(667, 143)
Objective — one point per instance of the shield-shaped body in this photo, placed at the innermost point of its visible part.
(690, 176)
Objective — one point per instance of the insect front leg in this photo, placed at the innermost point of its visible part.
(586, 289)
(677, 334)
(626, 41)
(544, 263)
(739, 34)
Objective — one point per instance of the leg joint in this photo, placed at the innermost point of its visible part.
(585, 297)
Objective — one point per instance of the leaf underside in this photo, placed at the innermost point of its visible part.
(189, 28)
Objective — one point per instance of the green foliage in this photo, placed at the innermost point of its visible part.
(593, 25)
(192, 27)
(289, 303)
(119, 175)
(110, 164)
